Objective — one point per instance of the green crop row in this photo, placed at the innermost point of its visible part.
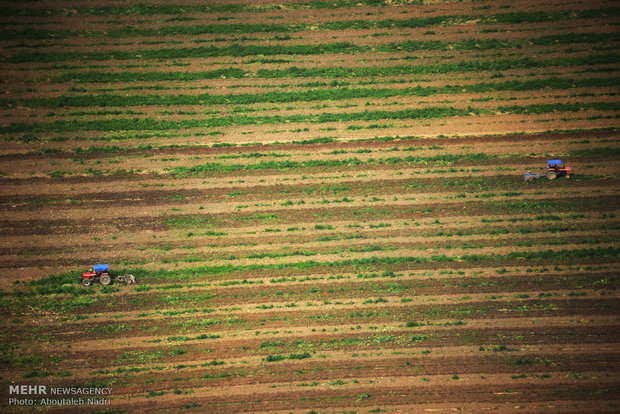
(143, 124)
(299, 292)
(51, 301)
(239, 50)
(333, 94)
(336, 72)
(465, 245)
(206, 272)
(181, 53)
(557, 107)
(150, 124)
(285, 165)
(200, 29)
(142, 9)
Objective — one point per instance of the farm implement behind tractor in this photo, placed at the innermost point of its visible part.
(99, 273)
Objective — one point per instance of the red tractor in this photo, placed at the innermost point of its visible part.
(100, 273)
(555, 168)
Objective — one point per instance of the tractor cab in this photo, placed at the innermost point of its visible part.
(555, 164)
(556, 168)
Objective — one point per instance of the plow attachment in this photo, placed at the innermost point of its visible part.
(531, 176)
(127, 279)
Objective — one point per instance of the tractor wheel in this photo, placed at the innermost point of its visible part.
(551, 175)
(87, 281)
(105, 279)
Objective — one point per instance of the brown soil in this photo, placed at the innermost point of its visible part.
(250, 300)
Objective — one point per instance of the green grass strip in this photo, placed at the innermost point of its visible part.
(340, 72)
(230, 28)
(101, 77)
(150, 124)
(333, 94)
(153, 9)
(158, 125)
(571, 107)
(206, 272)
(286, 165)
(197, 52)
(238, 50)
(184, 9)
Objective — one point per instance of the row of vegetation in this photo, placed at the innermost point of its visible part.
(151, 9)
(235, 28)
(332, 94)
(149, 124)
(142, 9)
(217, 271)
(338, 72)
(241, 50)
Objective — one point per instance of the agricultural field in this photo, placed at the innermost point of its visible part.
(322, 202)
